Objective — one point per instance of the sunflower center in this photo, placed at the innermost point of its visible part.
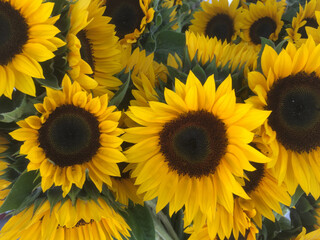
(126, 15)
(70, 136)
(86, 50)
(14, 32)
(220, 26)
(311, 22)
(295, 105)
(194, 143)
(254, 177)
(263, 27)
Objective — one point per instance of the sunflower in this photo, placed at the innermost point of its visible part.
(314, 32)
(305, 18)
(218, 19)
(130, 17)
(124, 189)
(262, 20)
(75, 132)
(172, 4)
(209, 49)
(4, 184)
(84, 220)
(314, 235)
(94, 55)
(27, 38)
(289, 86)
(189, 148)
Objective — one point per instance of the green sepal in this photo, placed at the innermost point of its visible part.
(54, 195)
(73, 194)
(38, 203)
(296, 196)
(176, 73)
(140, 221)
(21, 189)
(122, 93)
(200, 73)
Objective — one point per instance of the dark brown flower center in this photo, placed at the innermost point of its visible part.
(295, 117)
(13, 32)
(86, 49)
(70, 136)
(263, 27)
(194, 143)
(311, 22)
(220, 26)
(126, 15)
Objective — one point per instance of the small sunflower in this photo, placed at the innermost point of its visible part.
(84, 220)
(94, 55)
(218, 19)
(289, 86)
(27, 38)
(189, 148)
(172, 4)
(124, 189)
(262, 20)
(130, 17)
(74, 133)
(305, 18)
(209, 49)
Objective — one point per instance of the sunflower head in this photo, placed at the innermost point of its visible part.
(186, 149)
(305, 18)
(217, 19)
(289, 86)
(74, 133)
(262, 20)
(130, 17)
(28, 36)
(86, 218)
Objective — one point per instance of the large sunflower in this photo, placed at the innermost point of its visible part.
(94, 55)
(27, 38)
(130, 17)
(189, 148)
(85, 220)
(262, 20)
(75, 132)
(305, 18)
(289, 86)
(218, 19)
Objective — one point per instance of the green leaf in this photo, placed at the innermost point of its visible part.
(169, 42)
(121, 93)
(140, 221)
(21, 189)
(303, 205)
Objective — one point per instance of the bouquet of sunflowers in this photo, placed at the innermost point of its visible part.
(160, 119)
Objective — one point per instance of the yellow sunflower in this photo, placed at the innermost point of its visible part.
(74, 133)
(289, 86)
(314, 31)
(130, 17)
(94, 55)
(218, 19)
(209, 49)
(27, 38)
(187, 150)
(85, 220)
(172, 4)
(3, 165)
(262, 20)
(124, 189)
(314, 235)
(305, 18)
